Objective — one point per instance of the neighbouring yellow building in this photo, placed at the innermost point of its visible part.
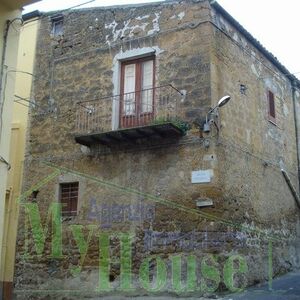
(17, 45)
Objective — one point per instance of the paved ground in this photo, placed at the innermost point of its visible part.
(286, 287)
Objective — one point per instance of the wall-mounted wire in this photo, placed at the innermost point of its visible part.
(19, 98)
(61, 11)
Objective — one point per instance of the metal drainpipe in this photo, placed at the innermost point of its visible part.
(1, 99)
(3, 57)
(294, 85)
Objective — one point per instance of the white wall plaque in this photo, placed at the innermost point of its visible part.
(201, 176)
(204, 202)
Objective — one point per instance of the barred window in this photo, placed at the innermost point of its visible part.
(69, 198)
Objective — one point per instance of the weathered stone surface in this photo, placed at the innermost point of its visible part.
(251, 200)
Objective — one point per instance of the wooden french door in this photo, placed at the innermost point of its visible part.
(137, 93)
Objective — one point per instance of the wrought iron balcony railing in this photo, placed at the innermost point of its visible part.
(139, 109)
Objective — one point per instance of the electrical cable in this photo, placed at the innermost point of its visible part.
(162, 32)
(235, 42)
(60, 11)
(22, 103)
(26, 100)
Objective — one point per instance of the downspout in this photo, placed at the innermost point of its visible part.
(2, 86)
(283, 171)
(1, 100)
(297, 121)
(293, 190)
(3, 57)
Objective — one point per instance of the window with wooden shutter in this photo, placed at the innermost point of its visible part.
(271, 106)
(137, 94)
(69, 198)
(146, 86)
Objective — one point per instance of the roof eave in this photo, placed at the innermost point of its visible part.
(293, 79)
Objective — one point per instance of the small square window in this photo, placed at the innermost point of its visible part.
(69, 198)
(57, 26)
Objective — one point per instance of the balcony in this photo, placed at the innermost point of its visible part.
(149, 113)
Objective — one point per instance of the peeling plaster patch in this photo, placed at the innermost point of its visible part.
(183, 92)
(280, 88)
(133, 28)
(85, 150)
(285, 110)
(143, 17)
(275, 136)
(180, 16)
(106, 38)
(126, 30)
(269, 83)
(248, 136)
(254, 71)
(244, 43)
(122, 31)
(236, 37)
(155, 24)
(112, 26)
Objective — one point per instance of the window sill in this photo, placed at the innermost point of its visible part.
(273, 122)
(66, 218)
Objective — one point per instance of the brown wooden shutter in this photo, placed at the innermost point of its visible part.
(271, 105)
(137, 95)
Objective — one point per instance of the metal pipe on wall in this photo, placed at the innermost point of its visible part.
(297, 123)
(3, 57)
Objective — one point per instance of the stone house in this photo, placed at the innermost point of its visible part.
(127, 135)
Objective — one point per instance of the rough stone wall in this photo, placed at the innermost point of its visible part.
(256, 149)
(147, 187)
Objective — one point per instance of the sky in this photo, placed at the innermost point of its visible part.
(273, 23)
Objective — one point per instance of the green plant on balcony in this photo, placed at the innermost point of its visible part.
(176, 121)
